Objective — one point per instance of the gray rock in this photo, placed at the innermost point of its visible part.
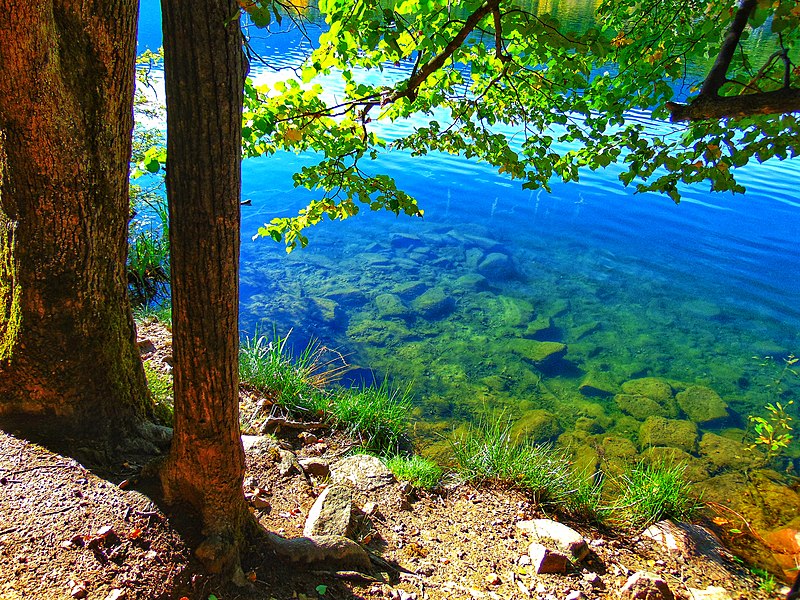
(702, 404)
(362, 471)
(646, 586)
(288, 463)
(710, 593)
(330, 514)
(658, 431)
(545, 560)
(551, 533)
(692, 541)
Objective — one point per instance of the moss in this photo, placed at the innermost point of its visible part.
(10, 290)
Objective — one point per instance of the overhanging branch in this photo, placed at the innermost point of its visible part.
(719, 107)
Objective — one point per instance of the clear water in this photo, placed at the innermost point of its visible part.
(701, 293)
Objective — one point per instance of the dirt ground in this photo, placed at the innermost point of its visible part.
(72, 529)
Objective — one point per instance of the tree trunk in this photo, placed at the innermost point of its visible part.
(204, 78)
(68, 358)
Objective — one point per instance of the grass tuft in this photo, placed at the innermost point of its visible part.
(420, 472)
(486, 453)
(376, 416)
(160, 386)
(652, 492)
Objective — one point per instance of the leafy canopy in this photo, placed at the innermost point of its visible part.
(499, 81)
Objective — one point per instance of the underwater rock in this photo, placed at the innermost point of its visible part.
(479, 241)
(640, 407)
(497, 266)
(409, 289)
(434, 304)
(537, 352)
(654, 388)
(597, 384)
(390, 305)
(785, 545)
(540, 328)
(327, 311)
(586, 329)
(537, 426)
(404, 240)
(473, 257)
(658, 431)
(471, 282)
(352, 296)
(702, 405)
(379, 333)
(724, 454)
(660, 455)
(589, 425)
(372, 259)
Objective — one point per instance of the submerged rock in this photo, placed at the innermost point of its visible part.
(540, 328)
(695, 469)
(537, 426)
(654, 388)
(640, 407)
(658, 431)
(702, 404)
(390, 305)
(538, 352)
(434, 304)
(723, 453)
(471, 282)
(597, 384)
(497, 266)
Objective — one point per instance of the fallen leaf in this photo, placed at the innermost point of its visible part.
(134, 534)
(251, 577)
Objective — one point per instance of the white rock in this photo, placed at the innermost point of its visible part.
(565, 539)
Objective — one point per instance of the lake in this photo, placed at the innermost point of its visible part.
(613, 324)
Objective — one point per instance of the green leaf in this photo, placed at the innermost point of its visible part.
(321, 589)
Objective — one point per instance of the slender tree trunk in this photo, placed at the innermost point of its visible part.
(204, 77)
(68, 358)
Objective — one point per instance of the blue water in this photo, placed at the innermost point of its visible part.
(704, 293)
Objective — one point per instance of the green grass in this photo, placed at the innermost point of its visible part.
(486, 453)
(301, 383)
(160, 386)
(148, 268)
(376, 416)
(161, 313)
(420, 472)
(652, 492)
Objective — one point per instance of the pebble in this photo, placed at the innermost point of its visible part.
(493, 579)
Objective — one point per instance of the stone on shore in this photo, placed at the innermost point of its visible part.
(330, 514)
(646, 586)
(557, 535)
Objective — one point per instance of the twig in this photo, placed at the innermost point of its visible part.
(60, 510)
(61, 466)
(8, 530)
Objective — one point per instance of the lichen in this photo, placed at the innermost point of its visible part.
(10, 291)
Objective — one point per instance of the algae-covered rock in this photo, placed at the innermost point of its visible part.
(658, 431)
(471, 282)
(404, 240)
(702, 404)
(597, 384)
(409, 289)
(536, 351)
(497, 266)
(434, 304)
(537, 426)
(327, 310)
(617, 455)
(725, 454)
(695, 469)
(654, 388)
(640, 407)
(540, 328)
(390, 305)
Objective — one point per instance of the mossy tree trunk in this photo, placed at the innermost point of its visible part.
(204, 79)
(69, 362)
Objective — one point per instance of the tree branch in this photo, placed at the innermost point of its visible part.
(717, 75)
(717, 107)
(436, 63)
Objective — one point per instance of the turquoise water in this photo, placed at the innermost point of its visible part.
(585, 315)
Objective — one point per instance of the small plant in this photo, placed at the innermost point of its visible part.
(652, 492)
(148, 252)
(160, 386)
(377, 416)
(766, 581)
(420, 472)
(773, 433)
(487, 453)
(583, 498)
(162, 313)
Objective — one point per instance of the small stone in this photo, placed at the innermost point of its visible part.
(288, 463)
(566, 539)
(307, 438)
(594, 580)
(146, 347)
(575, 595)
(315, 466)
(545, 560)
(370, 508)
(710, 593)
(78, 590)
(646, 586)
(492, 579)
(524, 560)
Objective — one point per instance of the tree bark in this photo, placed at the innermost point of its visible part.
(204, 79)
(70, 363)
